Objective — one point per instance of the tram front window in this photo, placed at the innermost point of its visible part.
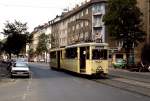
(99, 54)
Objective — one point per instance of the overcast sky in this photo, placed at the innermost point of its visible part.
(34, 12)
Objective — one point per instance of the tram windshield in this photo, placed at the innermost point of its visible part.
(99, 54)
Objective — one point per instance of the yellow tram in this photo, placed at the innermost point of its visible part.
(84, 58)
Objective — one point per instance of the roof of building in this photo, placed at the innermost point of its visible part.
(76, 10)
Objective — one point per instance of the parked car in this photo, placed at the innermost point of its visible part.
(119, 63)
(20, 69)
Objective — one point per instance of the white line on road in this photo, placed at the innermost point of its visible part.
(28, 89)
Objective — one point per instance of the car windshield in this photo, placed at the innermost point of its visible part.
(120, 60)
(20, 65)
(22, 60)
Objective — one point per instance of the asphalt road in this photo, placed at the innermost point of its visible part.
(49, 85)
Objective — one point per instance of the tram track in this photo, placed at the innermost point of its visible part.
(120, 83)
(129, 78)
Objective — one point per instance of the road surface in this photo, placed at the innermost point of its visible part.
(49, 85)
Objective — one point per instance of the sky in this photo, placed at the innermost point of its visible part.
(34, 12)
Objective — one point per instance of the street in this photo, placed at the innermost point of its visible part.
(49, 85)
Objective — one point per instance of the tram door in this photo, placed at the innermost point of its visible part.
(82, 59)
(58, 59)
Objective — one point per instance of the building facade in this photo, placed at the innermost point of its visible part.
(144, 6)
(36, 33)
(82, 24)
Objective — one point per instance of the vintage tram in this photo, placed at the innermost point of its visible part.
(83, 58)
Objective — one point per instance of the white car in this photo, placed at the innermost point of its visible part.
(24, 60)
(20, 69)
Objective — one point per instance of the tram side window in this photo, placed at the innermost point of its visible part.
(71, 53)
(53, 55)
(99, 54)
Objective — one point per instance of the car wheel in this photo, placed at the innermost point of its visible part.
(29, 76)
(11, 76)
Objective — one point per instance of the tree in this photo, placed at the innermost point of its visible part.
(1, 47)
(42, 44)
(17, 37)
(123, 20)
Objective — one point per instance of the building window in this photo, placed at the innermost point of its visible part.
(82, 13)
(97, 8)
(73, 18)
(73, 28)
(86, 23)
(81, 35)
(76, 37)
(77, 26)
(87, 11)
(77, 17)
(81, 24)
(86, 34)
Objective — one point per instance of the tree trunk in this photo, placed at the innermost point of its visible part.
(127, 51)
(130, 57)
(9, 55)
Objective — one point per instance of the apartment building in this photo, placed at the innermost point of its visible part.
(46, 29)
(36, 33)
(84, 24)
(144, 6)
(81, 24)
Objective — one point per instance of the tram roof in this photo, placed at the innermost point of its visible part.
(56, 49)
(87, 44)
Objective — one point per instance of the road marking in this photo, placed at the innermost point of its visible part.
(28, 89)
(24, 97)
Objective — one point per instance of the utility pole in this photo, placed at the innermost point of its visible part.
(148, 21)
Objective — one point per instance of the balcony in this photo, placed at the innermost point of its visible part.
(97, 13)
(97, 25)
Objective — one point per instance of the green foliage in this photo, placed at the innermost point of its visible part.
(15, 43)
(17, 37)
(29, 38)
(15, 28)
(1, 47)
(42, 44)
(123, 20)
(31, 52)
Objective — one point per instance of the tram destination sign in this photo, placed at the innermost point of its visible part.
(99, 47)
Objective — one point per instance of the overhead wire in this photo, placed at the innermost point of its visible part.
(29, 6)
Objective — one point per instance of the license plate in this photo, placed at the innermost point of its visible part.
(20, 73)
